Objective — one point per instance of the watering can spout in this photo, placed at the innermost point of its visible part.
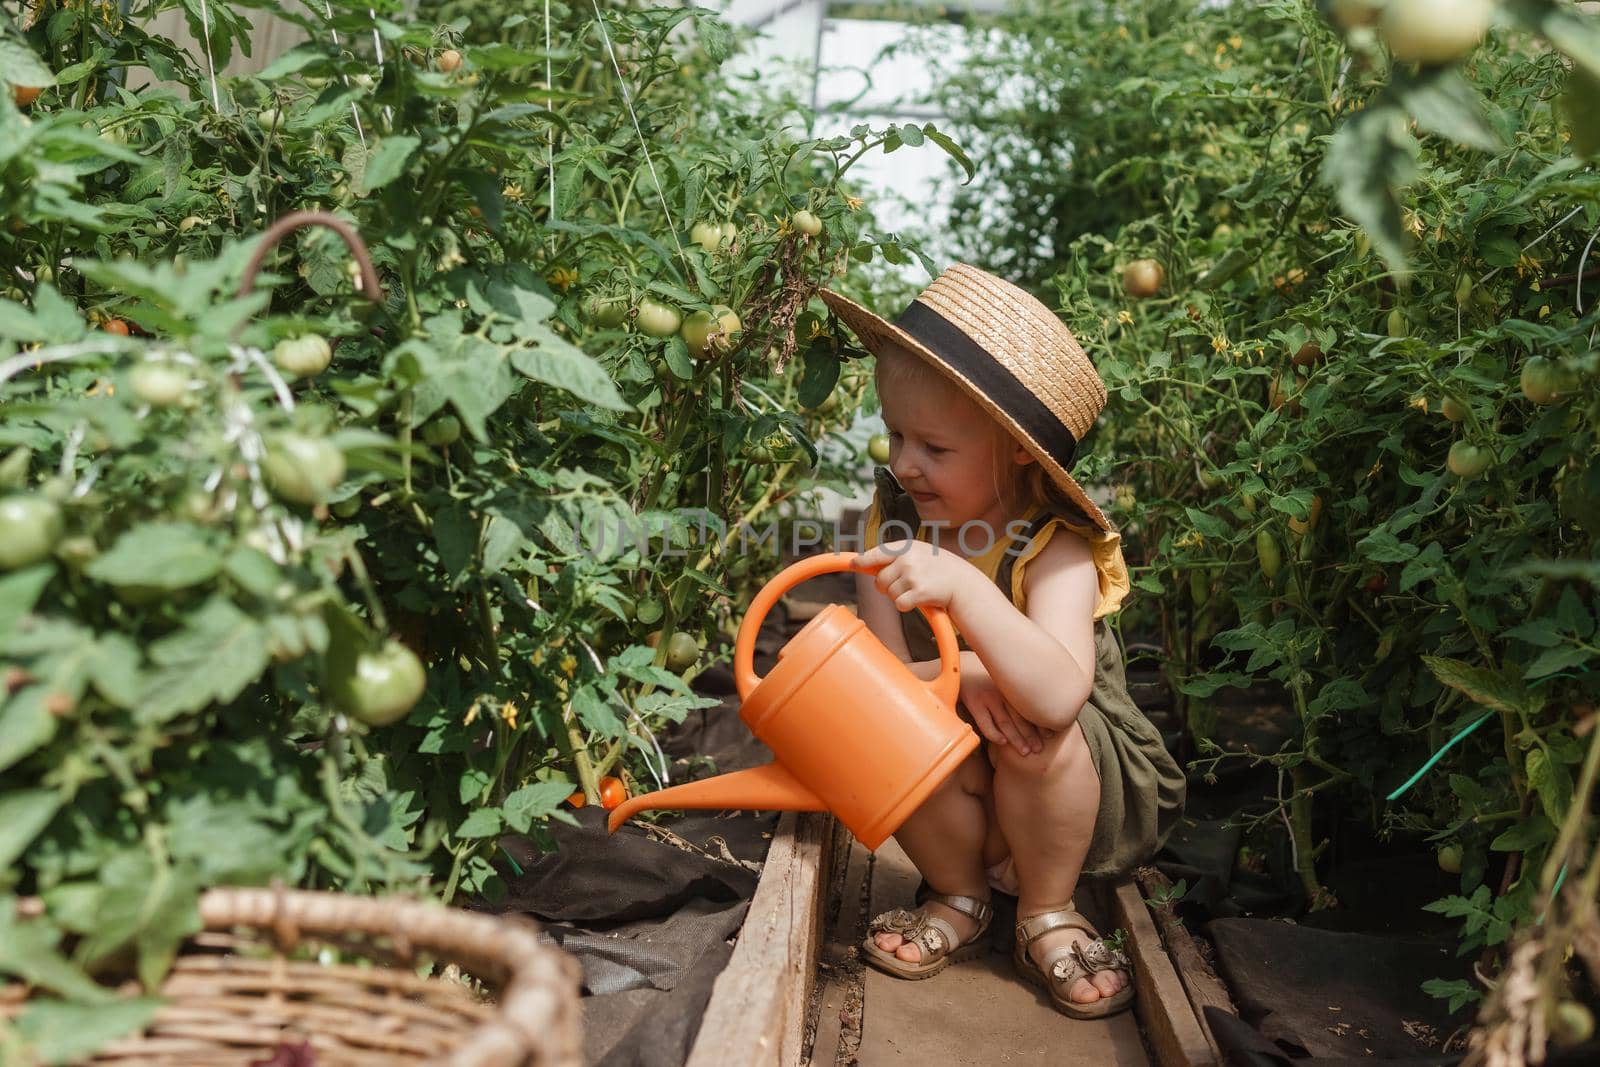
(769, 787)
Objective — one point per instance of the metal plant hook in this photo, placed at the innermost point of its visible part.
(371, 287)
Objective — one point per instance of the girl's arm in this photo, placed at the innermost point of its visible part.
(1042, 662)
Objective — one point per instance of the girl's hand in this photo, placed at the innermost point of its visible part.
(914, 574)
(994, 718)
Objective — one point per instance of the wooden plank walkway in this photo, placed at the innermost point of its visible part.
(973, 1014)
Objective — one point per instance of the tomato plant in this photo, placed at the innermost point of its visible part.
(345, 621)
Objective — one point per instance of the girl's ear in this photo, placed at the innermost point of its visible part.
(1022, 457)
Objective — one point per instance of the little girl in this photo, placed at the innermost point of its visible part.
(986, 396)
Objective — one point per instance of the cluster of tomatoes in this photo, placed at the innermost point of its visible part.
(612, 793)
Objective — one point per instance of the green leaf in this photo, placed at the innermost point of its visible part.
(455, 531)
(535, 801)
(28, 951)
(70, 1033)
(219, 652)
(19, 66)
(952, 149)
(1553, 784)
(821, 375)
(1369, 160)
(24, 813)
(1458, 991)
(1501, 690)
(158, 555)
(1381, 546)
(484, 822)
(595, 712)
(1444, 103)
(715, 36)
(153, 907)
(1208, 524)
(25, 724)
(1532, 832)
(386, 161)
(1557, 659)
(559, 363)
(20, 591)
(114, 670)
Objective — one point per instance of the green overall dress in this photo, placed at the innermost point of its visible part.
(1141, 786)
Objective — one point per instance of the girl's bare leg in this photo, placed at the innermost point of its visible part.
(945, 838)
(1046, 804)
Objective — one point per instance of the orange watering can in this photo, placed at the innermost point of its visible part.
(853, 731)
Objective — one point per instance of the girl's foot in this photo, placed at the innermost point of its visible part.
(965, 926)
(1085, 990)
(1061, 951)
(921, 943)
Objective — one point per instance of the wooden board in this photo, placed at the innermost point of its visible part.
(1204, 988)
(757, 1013)
(1163, 1007)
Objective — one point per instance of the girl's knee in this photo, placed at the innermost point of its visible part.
(1066, 752)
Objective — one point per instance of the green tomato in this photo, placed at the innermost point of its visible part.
(301, 469)
(303, 357)
(269, 118)
(1434, 31)
(378, 687)
(1467, 460)
(1452, 409)
(657, 319)
(878, 448)
(1396, 323)
(30, 528)
(1449, 857)
(159, 384)
(1546, 381)
(683, 651)
(706, 334)
(806, 223)
(708, 235)
(1268, 554)
(1572, 1024)
(607, 313)
(441, 431)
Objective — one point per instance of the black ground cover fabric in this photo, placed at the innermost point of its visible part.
(651, 915)
(1335, 993)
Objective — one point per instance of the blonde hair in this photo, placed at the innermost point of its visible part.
(1017, 486)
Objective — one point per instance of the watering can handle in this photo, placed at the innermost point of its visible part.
(946, 687)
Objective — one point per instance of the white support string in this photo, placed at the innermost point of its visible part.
(550, 153)
(355, 112)
(627, 100)
(211, 63)
(377, 44)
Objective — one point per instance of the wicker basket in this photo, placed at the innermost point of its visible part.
(235, 997)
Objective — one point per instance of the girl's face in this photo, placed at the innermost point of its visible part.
(945, 452)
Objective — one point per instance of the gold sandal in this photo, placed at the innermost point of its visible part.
(1064, 966)
(935, 937)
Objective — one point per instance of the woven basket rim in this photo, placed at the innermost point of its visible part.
(535, 1010)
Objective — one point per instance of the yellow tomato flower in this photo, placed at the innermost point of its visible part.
(1125, 317)
(1219, 343)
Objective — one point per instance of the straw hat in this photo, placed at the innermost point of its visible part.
(1009, 353)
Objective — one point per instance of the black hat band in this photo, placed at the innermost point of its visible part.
(973, 362)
